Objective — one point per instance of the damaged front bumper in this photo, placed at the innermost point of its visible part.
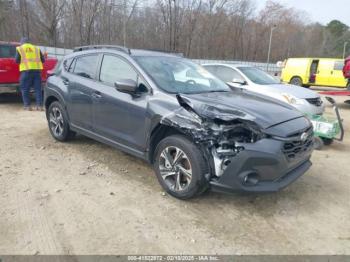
(264, 166)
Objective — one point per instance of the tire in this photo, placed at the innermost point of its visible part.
(348, 86)
(58, 122)
(327, 141)
(190, 169)
(318, 143)
(297, 81)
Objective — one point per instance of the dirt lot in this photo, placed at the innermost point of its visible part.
(83, 197)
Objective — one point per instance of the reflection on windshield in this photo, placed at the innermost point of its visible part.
(179, 75)
(258, 76)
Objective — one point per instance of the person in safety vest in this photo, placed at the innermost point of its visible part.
(30, 60)
(346, 71)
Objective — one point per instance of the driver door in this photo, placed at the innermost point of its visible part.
(119, 116)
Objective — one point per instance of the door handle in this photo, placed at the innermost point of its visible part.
(65, 81)
(97, 95)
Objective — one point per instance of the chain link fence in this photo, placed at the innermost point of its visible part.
(273, 69)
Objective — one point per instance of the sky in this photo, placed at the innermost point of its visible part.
(322, 11)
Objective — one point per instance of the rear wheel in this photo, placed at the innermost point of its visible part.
(180, 167)
(297, 81)
(58, 122)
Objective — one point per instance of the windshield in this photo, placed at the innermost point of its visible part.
(258, 76)
(179, 75)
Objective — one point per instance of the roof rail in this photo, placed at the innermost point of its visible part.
(166, 51)
(91, 47)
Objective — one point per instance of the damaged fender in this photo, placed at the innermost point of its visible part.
(219, 132)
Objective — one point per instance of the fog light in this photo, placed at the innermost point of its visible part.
(251, 179)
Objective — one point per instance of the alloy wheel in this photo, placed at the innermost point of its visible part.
(175, 168)
(56, 121)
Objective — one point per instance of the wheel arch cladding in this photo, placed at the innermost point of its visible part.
(159, 132)
(50, 100)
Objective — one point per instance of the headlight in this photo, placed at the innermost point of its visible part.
(292, 100)
(322, 127)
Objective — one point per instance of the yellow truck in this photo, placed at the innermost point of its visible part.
(314, 72)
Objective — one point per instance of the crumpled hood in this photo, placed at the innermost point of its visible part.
(296, 91)
(240, 104)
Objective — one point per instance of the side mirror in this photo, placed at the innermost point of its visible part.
(126, 86)
(239, 81)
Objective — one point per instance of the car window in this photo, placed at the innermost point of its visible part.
(114, 68)
(7, 51)
(67, 63)
(179, 75)
(258, 76)
(227, 74)
(72, 65)
(211, 69)
(338, 65)
(85, 66)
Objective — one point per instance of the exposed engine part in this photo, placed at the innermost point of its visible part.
(220, 137)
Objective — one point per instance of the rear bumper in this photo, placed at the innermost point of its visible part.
(267, 164)
(9, 88)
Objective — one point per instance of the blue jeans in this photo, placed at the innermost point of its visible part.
(28, 79)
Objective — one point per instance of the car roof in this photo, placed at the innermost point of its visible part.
(121, 50)
(227, 65)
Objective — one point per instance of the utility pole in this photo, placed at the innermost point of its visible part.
(124, 23)
(269, 51)
(344, 50)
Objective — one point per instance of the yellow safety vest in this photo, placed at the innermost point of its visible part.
(30, 57)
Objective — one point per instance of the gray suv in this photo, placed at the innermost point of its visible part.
(195, 131)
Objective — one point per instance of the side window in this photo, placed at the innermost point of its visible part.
(85, 66)
(338, 65)
(67, 63)
(7, 51)
(227, 74)
(211, 69)
(114, 69)
(72, 65)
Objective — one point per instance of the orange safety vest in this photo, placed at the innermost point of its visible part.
(30, 57)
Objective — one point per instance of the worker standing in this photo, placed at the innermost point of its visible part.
(30, 60)
(346, 71)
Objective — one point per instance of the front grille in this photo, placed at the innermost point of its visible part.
(315, 101)
(295, 148)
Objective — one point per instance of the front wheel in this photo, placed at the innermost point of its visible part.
(327, 141)
(180, 167)
(318, 143)
(58, 122)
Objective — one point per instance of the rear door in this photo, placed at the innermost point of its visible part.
(9, 70)
(81, 82)
(337, 78)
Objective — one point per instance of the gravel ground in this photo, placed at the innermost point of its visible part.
(84, 197)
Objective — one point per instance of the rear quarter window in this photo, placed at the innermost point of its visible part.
(7, 51)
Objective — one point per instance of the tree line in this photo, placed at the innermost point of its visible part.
(209, 29)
